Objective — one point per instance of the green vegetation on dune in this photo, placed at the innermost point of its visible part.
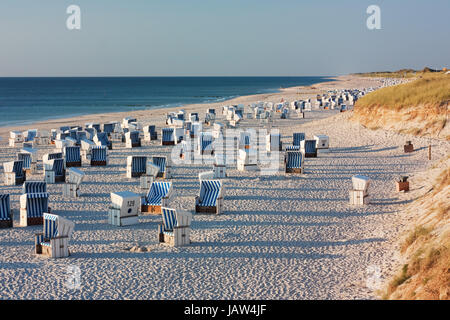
(431, 90)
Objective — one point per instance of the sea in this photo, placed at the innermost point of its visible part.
(28, 100)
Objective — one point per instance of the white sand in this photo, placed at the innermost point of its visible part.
(280, 237)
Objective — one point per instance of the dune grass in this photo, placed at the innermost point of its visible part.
(429, 91)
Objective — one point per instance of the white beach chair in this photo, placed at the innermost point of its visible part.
(124, 209)
(14, 173)
(75, 177)
(176, 227)
(359, 195)
(53, 242)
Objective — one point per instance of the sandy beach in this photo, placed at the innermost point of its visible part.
(280, 237)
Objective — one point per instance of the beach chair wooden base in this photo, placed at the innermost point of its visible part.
(311, 155)
(358, 197)
(73, 164)
(209, 210)
(12, 180)
(115, 219)
(98, 163)
(294, 170)
(150, 210)
(25, 222)
(60, 178)
(408, 148)
(57, 247)
(168, 143)
(180, 236)
(137, 174)
(4, 224)
(402, 186)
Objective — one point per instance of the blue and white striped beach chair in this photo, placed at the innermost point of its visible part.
(90, 133)
(297, 138)
(164, 167)
(56, 166)
(210, 198)
(99, 156)
(27, 160)
(72, 156)
(132, 139)
(205, 143)
(308, 147)
(168, 136)
(6, 215)
(34, 187)
(176, 227)
(150, 133)
(14, 173)
(293, 162)
(158, 196)
(29, 135)
(53, 242)
(32, 208)
(136, 166)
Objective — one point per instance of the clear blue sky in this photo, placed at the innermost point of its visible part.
(220, 37)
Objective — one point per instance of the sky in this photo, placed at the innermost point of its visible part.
(221, 37)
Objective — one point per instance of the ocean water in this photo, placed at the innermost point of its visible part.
(27, 100)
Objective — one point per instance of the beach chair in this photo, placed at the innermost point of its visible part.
(72, 156)
(101, 139)
(297, 138)
(247, 160)
(124, 209)
(54, 170)
(42, 137)
(28, 164)
(150, 175)
(193, 117)
(86, 148)
(99, 156)
(53, 242)
(90, 133)
(359, 195)
(132, 139)
(32, 208)
(196, 128)
(163, 165)
(293, 162)
(322, 142)
(15, 137)
(75, 177)
(136, 166)
(29, 135)
(308, 147)
(108, 128)
(150, 133)
(6, 214)
(273, 142)
(127, 120)
(14, 173)
(158, 196)
(34, 187)
(219, 167)
(176, 227)
(210, 198)
(205, 143)
(168, 136)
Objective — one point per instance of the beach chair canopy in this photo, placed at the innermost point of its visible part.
(34, 187)
(360, 182)
(152, 169)
(133, 136)
(206, 141)
(86, 144)
(72, 154)
(294, 159)
(5, 207)
(56, 165)
(75, 176)
(160, 162)
(310, 146)
(26, 158)
(14, 166)
(35, 203)
(209, 192)
(297, 138)
(101, 138)
(157, 191)
(108, 127)
(55, 226)
(138, 163)
(168, 134)
(29, 135)
(99, 153)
